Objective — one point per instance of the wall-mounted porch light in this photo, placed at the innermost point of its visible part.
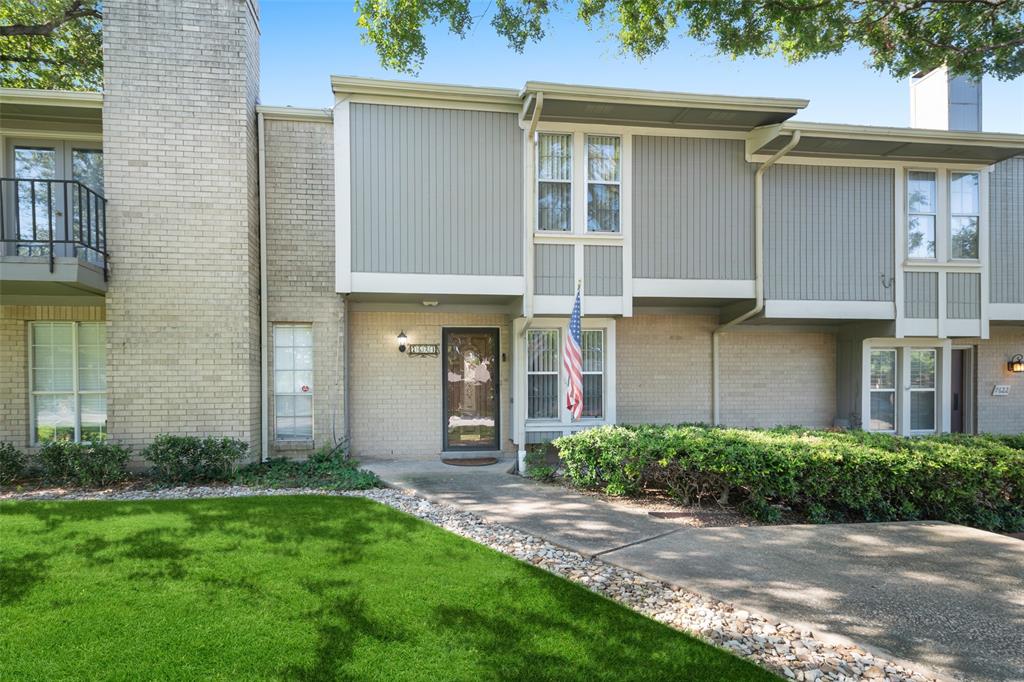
(1016, 363)
(402, 339)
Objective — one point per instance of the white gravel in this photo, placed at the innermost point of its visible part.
(787, 650)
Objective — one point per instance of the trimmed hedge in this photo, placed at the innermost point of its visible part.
(83, 464)
(12, 463)
(187, 459)
(827, 476)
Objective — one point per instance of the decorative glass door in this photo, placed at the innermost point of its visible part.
(470, 375)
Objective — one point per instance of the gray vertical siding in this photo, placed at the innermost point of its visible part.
(693, 215)
(828, 233)
(436, 191)
(963, 295)
(553, 269)
(921, 295)
(602, 270)
(1006, 232)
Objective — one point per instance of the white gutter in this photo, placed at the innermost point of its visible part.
(758, 274)
(532, 136)
(264, 325)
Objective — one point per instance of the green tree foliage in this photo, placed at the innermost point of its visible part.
(51, 44)
(974, 37)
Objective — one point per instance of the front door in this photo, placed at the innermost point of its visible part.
(470, 376)
(956, 413)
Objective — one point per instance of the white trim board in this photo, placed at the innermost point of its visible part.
(693, 288)
(405, 283)
(854, 310)
(592, 305)
(1006, 311)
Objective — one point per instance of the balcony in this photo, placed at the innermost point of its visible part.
(53, 241)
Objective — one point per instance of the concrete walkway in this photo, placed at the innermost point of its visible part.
(945, 597)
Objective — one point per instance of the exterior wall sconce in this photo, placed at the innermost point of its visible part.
(1016, 364)
(402, 339)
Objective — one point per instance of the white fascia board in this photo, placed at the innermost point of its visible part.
(843, 310)
(294, 114)
(53, 98)
(921, 327)
(1006, 311)
(693, 288)
(592, 93)
(861, 132)
(369, 89)
(592, 305)
(407, 283)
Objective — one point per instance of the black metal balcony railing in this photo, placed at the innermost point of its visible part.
(50, 218)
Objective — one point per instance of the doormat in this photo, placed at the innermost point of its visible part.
(471, 461)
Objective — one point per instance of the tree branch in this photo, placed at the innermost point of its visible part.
(74, 11)
(26, 60)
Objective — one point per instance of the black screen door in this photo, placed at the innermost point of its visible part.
(470, 376)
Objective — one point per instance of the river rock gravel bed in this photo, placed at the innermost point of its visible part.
(793, 653)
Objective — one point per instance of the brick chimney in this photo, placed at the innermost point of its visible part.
(941, 101)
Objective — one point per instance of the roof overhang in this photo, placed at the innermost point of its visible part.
(837, 141)
(372, 89)
(25, 111)
(655, 108)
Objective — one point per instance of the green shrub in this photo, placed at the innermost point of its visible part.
(188, 459)
(12, 463)
(328, 468)
(825, 475)
(84, 464)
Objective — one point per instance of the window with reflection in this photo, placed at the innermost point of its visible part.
(554, 182)
(883, 390)
(68, 375)
(293, 382)
(964, 208)
(921, 202)
(603, 182)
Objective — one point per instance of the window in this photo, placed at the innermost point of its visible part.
(964, 209)
(922, 389)
(593, 373)
(68, 375)
(293, 382)
(554, 183)
(921, 214)
(883, 390)
(542, 374)
(603, 183)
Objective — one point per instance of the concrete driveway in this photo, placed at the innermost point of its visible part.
(946, 597)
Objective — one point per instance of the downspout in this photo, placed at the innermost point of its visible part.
(520, 467)
(264, 324)
(758, 274)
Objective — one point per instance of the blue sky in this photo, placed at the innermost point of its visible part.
(304, 42)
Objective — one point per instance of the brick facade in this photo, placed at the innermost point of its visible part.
(300, 266)
(1000, 414)
(180, 88)
(768, 376)
(14, 382)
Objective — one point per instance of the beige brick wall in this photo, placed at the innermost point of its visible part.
(300, 265)
(663, 369)
(396, 400)
(768, 377)
(14, 398)
(180, 86)
(1000, 414)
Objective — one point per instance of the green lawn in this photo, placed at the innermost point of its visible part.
(303, 588)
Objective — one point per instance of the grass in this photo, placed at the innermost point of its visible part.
(306, 588)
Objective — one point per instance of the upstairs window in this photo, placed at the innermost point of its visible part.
(921, 214)
(554, 182)
(603, 183)
(964, 208)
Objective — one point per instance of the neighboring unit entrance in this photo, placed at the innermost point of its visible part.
(470, 376)
(959, 365)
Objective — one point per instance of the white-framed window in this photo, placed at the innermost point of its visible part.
(542, 373)
(921, 214)
(593, 373)
(882, 384)
(965, 210)
(923, 364)
(554, 182)
(68, 380)
(604, 177)
(293, 382)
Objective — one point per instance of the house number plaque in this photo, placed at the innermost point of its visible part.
(424, 350)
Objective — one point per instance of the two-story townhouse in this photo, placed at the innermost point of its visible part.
(399, 269)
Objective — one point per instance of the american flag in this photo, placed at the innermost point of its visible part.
(573, 360)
